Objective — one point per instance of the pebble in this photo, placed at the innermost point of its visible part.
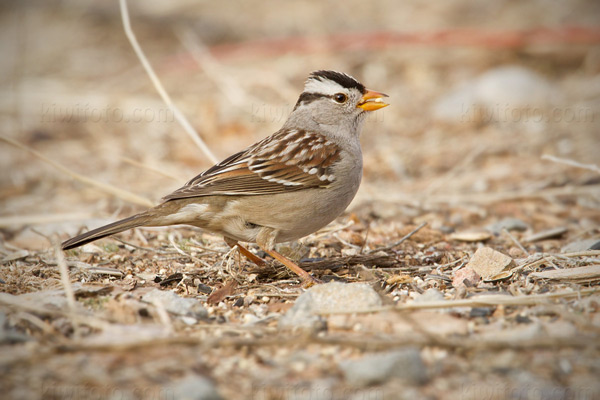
(465, 274)
(430, 295)
(487, 262)
(202, 288)
(53, 299)
(405, 364)
(514, 85)
(9, 335)
(510, 224)
(581, 245)
(193, 387)
(328, 297)
(498, 92)
(176, 305)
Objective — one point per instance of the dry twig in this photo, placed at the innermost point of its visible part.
(214, 69)
(399, 242)
(478, 301)
(572, 163)
(159, 87)
(152, 169)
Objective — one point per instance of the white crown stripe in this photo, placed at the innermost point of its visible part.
(326, 87)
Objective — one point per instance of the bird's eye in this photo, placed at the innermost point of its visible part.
(340, 97)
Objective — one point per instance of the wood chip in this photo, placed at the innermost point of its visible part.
(547, 234)
(499, 277)
(219, 295)
(471, 236)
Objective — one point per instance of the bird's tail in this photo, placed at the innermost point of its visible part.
(106, 230)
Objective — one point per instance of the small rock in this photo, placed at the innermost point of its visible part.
(16, 255)
(9, 335)
(53, 299)
(516, 334)
(175, 304)
(430, 295)
(202, 288)
(516, 252)
(487, 262)
(471, 236)
(510, 224)
(516, 86)
(193, 387)
(494, 95)
(352, 251)
(561, 329)
(126, 335)
(405, 364)
(465, 274)
(581, 245)
(439, 324)
(328, 297)
(481, 312)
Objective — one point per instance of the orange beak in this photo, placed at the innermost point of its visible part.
(372, 101)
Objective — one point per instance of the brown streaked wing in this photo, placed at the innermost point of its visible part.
(287, 161)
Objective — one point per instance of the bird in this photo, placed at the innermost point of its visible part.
(282, 188)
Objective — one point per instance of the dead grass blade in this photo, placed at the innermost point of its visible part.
(399, 242)
(113, 190)
(572, 163)
(589, 273)
(477, 301)
(152, 169)
(159, 87)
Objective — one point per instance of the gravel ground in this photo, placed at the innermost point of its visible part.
(466, 268)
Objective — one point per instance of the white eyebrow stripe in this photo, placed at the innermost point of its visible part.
(325, 87)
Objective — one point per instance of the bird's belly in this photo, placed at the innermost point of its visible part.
(292, 215)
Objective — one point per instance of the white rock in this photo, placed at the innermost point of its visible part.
(487, 262)
(581, 245)
(193, 387)
(430, 295)
(510, 224)
(514, 86)
(328, 297)
(405, 364)
(507, 94)
(175, 304)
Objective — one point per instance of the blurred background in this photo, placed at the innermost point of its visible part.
(479, 92)
(495, 111)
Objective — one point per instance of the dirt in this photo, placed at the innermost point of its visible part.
(74, 91)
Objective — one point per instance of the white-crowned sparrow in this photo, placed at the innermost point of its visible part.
(282, 188)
